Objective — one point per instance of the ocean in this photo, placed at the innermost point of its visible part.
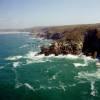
(25, 76)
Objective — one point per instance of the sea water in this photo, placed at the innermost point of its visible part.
(25, 76)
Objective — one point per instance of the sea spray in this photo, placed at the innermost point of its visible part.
(12, 58)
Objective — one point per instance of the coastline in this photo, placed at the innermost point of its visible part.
(15, 32)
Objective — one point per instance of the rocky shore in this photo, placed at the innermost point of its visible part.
(74, 44)
(62, 47)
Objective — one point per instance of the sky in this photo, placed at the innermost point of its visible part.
(31, 13)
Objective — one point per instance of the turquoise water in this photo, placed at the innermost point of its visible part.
(24, 76)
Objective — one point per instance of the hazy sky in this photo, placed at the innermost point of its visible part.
(30, 13)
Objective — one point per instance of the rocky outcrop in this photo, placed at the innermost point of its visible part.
(72, 40)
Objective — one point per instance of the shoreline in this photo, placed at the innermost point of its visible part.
(12, 32)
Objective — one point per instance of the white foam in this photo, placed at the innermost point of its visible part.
(49, 68)
(49, 88)
(86, 59)
(18, 85)
(14, 32)
(73, 57)
(54, 77)
(23, 46)
(29, 86)
(98, 64)
(29, 61)
(33, 55)
(68, 56)
(35, 61)
(71, 85)
(42, 87)
(62, 86)
(15, 64)
(14, 58)
(89, 76)
(50, 56)
(80, 64)
(93, 90)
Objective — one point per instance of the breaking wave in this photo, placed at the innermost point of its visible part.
(12, 58)
(32, 57)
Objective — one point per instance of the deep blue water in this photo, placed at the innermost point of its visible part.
(24, 76)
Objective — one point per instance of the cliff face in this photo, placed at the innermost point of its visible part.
(74, 32)
(69, 39)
